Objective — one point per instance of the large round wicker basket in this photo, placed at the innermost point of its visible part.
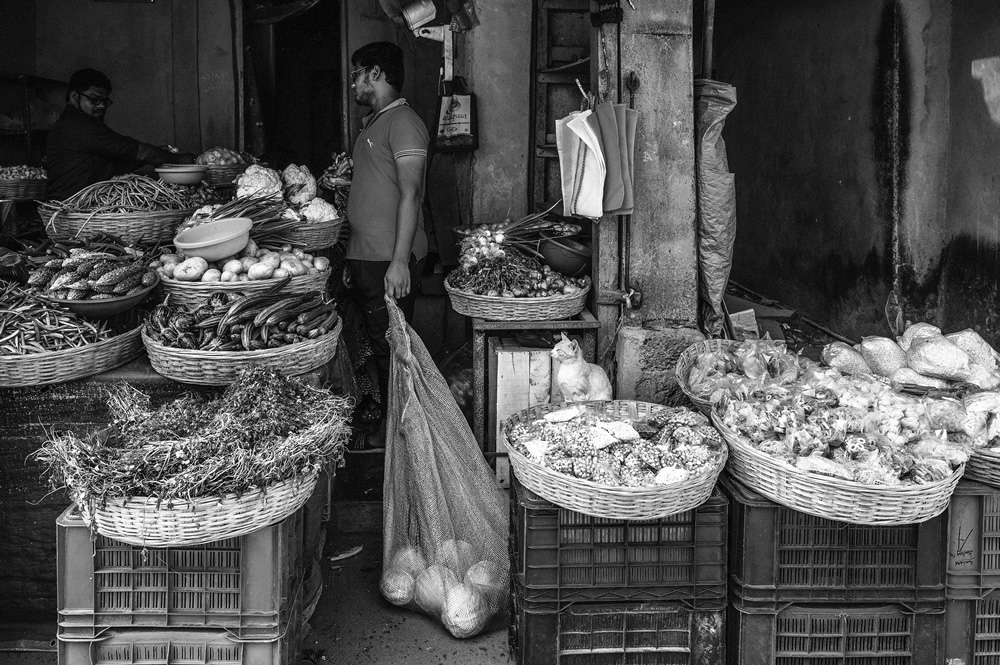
(150, 227)
(312, 236)
(195, 293)
(148, 522)
(984, 467)
(608, 501)
(494, 308)
(22, 190)
(219, 175)
(832, 498)
(37, 369)
(687, 360)
(220, 368)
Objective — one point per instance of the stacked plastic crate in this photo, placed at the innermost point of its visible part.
(231, 602)
(594, 591)
(973, 581)
(806, 590)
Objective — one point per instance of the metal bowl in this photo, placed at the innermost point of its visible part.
(105, 308)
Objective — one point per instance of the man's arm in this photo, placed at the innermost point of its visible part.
(410, 179)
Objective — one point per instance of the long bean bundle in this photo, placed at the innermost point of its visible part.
(127, 193)
(29, 324)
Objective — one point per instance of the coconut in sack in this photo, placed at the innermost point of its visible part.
(940, 357)
(883, 355)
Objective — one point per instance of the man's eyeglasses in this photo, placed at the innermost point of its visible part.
(356, 73)
(98, 101)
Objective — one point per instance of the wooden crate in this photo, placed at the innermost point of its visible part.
(519, 377)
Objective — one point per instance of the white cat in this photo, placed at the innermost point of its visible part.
(578, 380)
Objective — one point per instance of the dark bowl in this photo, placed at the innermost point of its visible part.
(567, 256)
(105, 308)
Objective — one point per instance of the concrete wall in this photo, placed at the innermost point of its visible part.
(865, 158)
(171, 62)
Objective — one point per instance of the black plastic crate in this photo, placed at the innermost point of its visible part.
(563, 555)
(622, 633)
(779, 555)
(972, 630)
(247, 585)
(835, 633)
(973, 541)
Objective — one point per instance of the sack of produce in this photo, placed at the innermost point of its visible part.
(977, 348)
(845, 358)
(916, 330)
(445, 516)
(904, 376)
(983, 377)
(940, 357)
(883, 355)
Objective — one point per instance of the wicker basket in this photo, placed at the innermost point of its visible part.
(984, 467)
(195, 293)
(38, 369)
(312, 236)
(220, 368)
(22, 190)
(832, 498)
(224, 175)
(151, 227)
(146, 522)
(549, 308)
(590, 498)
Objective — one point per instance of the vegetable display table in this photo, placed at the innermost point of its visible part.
(583, 324)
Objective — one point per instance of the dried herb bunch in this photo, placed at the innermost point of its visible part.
(264, 429)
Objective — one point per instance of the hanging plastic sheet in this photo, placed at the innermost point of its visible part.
(716, 200)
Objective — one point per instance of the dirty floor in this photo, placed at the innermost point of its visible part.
(353, 625)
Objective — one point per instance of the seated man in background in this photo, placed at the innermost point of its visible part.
(82, 150)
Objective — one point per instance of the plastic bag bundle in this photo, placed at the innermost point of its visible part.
(977, 348)
(445, 517)
(845, 358)
(906, 376)
(937, 356)
(883, 355)
(916, 330)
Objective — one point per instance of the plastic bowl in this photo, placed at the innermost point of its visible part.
(215, 240)
(182, 174)
(105, 308)
(570, 257)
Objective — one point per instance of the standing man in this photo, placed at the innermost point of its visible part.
(387, 247)
(82, 150)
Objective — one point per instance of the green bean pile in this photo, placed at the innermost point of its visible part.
(127, 193)
(31, 325)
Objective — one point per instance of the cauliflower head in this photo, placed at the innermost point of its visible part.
(219, 156)
(300, 185)
(319, 210)
(258, 181)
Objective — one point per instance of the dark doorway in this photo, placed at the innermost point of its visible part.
(306, 127)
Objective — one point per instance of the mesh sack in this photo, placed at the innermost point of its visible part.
(977, 348)
(940, 357)
(445, 516)
(883, 355)
(844, 358)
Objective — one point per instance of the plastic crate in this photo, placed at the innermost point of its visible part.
(973, 541)
(130, 646)
(623, 633)
(835, 633)
(779, 555)
(563, 555)
(246, 585)
(972, 630)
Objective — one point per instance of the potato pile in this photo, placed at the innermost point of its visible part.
(252, 264)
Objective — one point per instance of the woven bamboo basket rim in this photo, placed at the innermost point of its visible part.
(24, 189)
(984, 466)
(152, 225)
(316, 235)
(197, 292)
(219, 368)
(49, 367)
(147, 522)
(498, 308)
(833, 498)
(223, 174)
(609, 501)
